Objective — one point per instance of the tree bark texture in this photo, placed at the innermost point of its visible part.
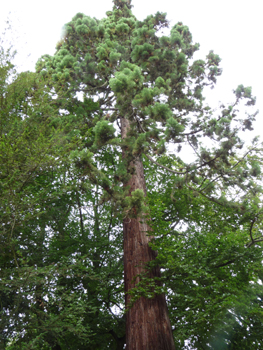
(147, 321)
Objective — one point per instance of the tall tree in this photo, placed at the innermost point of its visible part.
(149, 93)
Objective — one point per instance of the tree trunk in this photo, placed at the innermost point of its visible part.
(147, 322)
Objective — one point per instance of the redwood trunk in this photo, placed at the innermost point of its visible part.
(147, 322)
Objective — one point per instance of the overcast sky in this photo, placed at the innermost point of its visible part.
(232, 28)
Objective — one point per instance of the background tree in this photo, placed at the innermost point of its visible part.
(212, 268)
(60, 265)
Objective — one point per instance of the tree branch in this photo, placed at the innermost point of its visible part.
(165, 167)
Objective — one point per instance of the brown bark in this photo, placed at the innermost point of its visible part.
(147, 322)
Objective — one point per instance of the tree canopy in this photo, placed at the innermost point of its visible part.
(118, 96)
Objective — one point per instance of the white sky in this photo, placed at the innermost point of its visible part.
(232, 28)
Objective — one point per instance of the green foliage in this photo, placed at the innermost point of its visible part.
(211, 274)
(53, 277)
(104, 131)
(173, 128)
(62, 200)
(134, 205)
